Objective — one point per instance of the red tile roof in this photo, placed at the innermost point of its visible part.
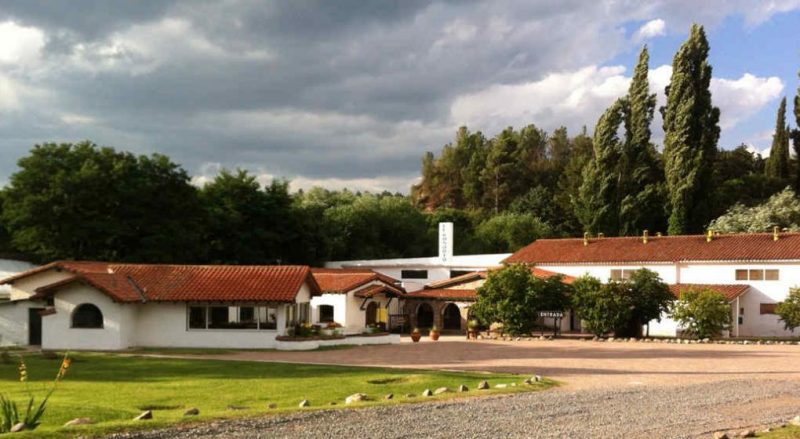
(343, 280)
(183, 283)
(730, 291)
(373, 290)
(733, 247)
(541, 273)
(458, 280)
(444, 294)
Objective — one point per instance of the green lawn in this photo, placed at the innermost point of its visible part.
(790, 432)
(113, 389)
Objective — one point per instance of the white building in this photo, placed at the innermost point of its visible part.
(754, 271)
(8, 268)
(109, 306)
(416, 273)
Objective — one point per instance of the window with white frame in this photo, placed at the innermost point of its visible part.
(251, 317)
(619, 275)
(757, 274)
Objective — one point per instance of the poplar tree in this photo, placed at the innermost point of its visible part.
(777, 165)
(640, 204)
(691, 131)
(796, 137)
(596, 205)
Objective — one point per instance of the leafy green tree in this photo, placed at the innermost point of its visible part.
(79, 201)
(568, 186)
(782, 210)
(796, 138)
(508, 232)
(513, 296)
(703, 313)
(641, 197)
(246, 224)
(602, 308)
(789, 310)
(778, 162)
(597, 204)
(691, 131)
(650, 299)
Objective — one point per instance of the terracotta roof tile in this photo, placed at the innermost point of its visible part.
(372, 290)
(444, 294)
(730, 291)
(183, 283)
(343, 280)
(458, 280)
(733, 247)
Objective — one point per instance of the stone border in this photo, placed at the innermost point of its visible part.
(726, 341)
(356, 340)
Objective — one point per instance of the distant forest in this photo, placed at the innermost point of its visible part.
(81, 201)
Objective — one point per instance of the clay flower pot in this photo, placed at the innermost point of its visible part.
(434, 334)
(415, 335)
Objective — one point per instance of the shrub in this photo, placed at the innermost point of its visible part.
(513, 296)
(702, 313)
(601, 307)
(789, 310)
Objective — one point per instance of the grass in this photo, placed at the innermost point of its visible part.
(790, 432)
(112, 389)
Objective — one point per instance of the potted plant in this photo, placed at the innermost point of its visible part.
(415, 335)
(472, 329)
(434, 334)
(328, 330)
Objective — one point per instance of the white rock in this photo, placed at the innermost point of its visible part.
(356, 397)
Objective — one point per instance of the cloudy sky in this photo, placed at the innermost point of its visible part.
(351, 93)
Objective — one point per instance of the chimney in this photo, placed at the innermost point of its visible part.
(709, 235)
(645, 235)
(585, 238)
(445, 242)
(775, 233)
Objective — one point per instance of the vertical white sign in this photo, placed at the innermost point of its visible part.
(445, 241)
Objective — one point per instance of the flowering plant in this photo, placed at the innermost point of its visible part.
(9, 412)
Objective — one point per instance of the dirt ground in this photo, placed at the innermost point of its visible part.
(578, 364)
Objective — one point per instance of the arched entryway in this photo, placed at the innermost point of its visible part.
(424, 315)
(372, 313)
(451, 317)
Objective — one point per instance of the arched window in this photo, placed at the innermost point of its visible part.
(325, 313)
(87, 316)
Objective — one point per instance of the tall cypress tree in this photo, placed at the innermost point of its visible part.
(640, 204)
(597, 205)
(777, 165)
(691, 131)
(796, 138)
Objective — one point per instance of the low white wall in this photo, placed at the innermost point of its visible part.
(352, 340)
(165, 325)
(118, 322)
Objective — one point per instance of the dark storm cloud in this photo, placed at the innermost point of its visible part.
(320, 89)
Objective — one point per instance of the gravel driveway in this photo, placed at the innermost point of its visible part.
(693, 410)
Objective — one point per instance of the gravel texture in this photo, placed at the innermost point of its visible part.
(694, 410)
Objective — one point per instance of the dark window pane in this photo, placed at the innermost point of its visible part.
(768, 308)
(326, 313)
(756, 274)
(197, 317)
(414, 274)
(87, 316)
(267, 318)
(741, 274)
(771, 275)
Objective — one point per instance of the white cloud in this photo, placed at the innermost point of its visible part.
(651, 29)
(76, 119)
(374, 185)
(20, 44)
(741, 98)
(567, 98)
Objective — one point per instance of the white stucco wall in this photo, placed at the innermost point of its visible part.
(8, 268)
(119, 322)
(14, 322)
(337, 301)
(24, 288)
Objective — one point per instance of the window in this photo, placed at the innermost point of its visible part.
(231, 317)
(325, 313)
(758, 275)
(87, 316)
(456, 273)
(621, 274)
(768, 308)
(197, 317)
(414, 274)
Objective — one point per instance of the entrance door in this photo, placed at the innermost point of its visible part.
(451, 317)
(34, 326)
(372, 313)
